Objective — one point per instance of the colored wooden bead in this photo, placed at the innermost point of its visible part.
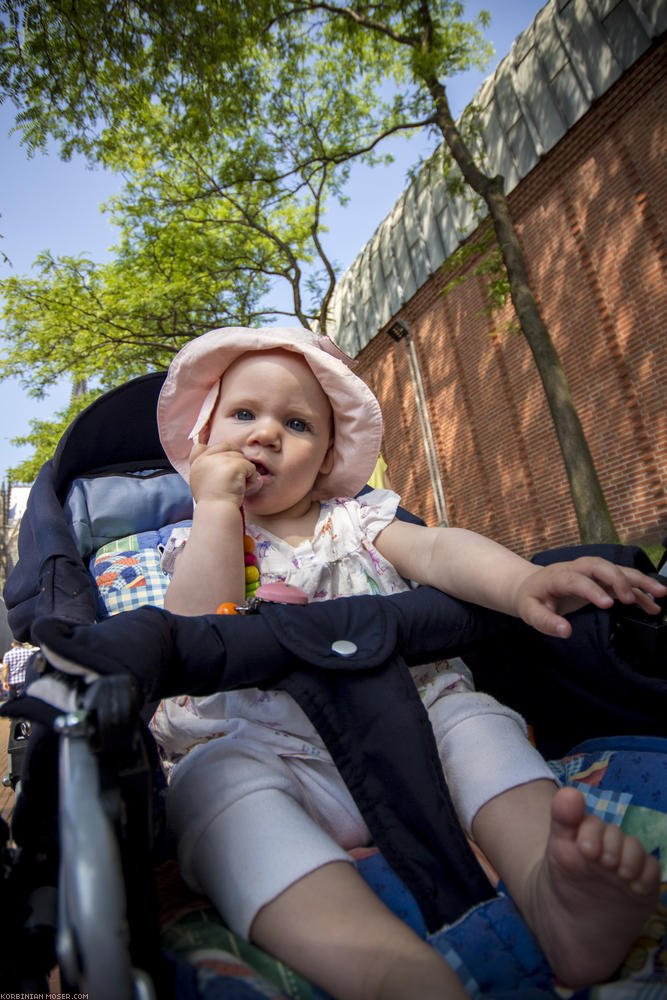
(250, 561)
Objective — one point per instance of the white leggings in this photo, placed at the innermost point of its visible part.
(250, 823)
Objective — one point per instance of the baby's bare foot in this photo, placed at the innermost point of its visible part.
(591, 893)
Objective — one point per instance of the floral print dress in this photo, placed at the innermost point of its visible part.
(339, 561)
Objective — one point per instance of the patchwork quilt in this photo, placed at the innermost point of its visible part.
(127, 572)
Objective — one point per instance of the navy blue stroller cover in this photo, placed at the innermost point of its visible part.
(568, 689)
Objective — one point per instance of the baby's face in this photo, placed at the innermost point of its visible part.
(272, 410)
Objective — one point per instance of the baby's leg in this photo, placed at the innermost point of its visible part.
(246, 840)
(584, 887)
(334, 930)
(484, 750)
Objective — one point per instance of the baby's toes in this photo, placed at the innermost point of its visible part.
(647, 880)
(591, 838)
(613, 845)
(632, 860)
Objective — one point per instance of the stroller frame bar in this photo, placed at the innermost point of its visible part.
(92, 947)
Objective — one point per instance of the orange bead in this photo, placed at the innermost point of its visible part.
(248, 544)
(228, 608)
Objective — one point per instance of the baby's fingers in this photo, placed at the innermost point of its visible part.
(646, 601)
(585, 580)
(544, 619)
(626, 584)
(196, 451)
(253, 482)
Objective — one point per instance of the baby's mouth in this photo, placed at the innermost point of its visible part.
(262, 476)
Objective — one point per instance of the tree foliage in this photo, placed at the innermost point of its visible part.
(235, 123)
(233, 128)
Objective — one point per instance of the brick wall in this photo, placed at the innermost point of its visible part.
(592, 218)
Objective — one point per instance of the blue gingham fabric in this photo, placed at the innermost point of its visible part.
(127, 572)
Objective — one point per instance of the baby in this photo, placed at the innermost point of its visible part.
(271, 425)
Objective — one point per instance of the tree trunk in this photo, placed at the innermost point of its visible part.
(594, 519)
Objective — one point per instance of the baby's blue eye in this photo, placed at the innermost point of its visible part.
(244, 415)
(297, 425)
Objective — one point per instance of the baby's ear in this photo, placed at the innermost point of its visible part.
(328, 460)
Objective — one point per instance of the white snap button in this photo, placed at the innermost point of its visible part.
(343, 647)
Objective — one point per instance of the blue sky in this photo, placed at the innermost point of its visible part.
(48, 204)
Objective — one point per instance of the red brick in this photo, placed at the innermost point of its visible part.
(592, 217)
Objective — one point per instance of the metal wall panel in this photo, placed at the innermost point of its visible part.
(569, 56)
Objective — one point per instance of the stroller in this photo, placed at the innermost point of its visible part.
(87, 832)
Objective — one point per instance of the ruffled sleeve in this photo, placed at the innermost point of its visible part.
(175, 544)
(377, 509)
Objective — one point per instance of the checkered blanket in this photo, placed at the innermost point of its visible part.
(127, 572)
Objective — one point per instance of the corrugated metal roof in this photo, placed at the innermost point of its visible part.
(568, 57)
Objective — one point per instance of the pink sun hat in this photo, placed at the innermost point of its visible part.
(191, 388)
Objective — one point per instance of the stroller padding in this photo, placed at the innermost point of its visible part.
(100, 509)
(116, 433)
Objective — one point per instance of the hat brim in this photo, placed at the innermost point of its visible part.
(201, 363)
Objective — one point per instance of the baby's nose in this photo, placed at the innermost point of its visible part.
(266, 432)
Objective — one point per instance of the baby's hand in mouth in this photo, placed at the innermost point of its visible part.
(255, 483)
